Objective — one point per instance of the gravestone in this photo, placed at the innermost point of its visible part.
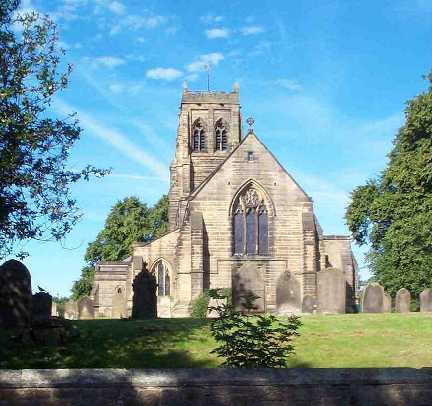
(85, 308)
(373, 298)
(71, 310)
(15, 295)
(308, 304)
(403, 301)
(248, 280)
(387, 303)
(118, 309)
(426, 301)
(54, 312)
(144, 295)
(331, 291)
(41, 306)
(288, 294)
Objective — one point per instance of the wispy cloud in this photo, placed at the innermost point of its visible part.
(211, 19)
(289, 84)
(105, 61)
(137, 22)
(116, 7)
(252, 30)
(167, 74)
(217, 33)
(203, 60)
(116, 139)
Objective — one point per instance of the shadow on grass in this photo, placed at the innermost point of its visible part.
(168, 343)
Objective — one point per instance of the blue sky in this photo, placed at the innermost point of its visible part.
(326, 82)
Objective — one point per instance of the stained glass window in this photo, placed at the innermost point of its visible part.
(251, 232)
(238, 233)
(163, 279)
(262, 233)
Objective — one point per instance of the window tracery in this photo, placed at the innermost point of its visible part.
(221, 133)
(250, 224)
(199, 136)
(162, 278)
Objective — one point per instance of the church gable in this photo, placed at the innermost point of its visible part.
(251, 160)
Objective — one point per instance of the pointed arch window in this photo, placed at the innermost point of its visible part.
(250, 224)
(162, 278)
(221, 133)
(199, 136)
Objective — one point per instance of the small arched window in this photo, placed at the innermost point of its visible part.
(162, 278)
(198, 136)
(250, 224)
(221, 133)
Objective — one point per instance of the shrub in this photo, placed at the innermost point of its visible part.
(251, 341)
(200, 306)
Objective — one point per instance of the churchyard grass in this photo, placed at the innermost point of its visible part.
(336, 341)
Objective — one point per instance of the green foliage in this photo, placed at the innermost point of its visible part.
(200, 306)
(394, 212)
(35, 198)
(245, 341)
(129, 221)
(60, 302)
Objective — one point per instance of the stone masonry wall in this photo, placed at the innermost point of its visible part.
(216, 387)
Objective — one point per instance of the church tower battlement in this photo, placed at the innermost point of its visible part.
(209, 129)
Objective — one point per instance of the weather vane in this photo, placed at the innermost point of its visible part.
(251, 122)
(207, 67)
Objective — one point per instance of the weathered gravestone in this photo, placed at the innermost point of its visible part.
(54, 310)
(308, 304)
(118, 309)
(41, 306)
(248, 280)
(373, 298)
(288, 294)
(144, 295)
(71, 310)
(387, 303)
(331, 291)
(15, 295)
(403, 301)
(85, 308)
(426, 301)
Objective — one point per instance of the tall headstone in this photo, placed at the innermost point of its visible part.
(387, 303)
(288, 294)
(373, 298)
(144, 295)
(403, 301)
(15, 295)
(308, 304)
(331, 291)
(41, 306)
(248, 280)
(71, 310)
(426, 301)
(54, 311)
(85, 308)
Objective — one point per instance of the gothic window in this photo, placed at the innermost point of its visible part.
(250, 224)
(198, 136)
(163, 279)
(221, 132)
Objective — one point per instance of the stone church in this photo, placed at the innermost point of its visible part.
(238, 220)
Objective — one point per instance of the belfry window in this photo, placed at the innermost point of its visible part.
(198, 136)
(221, 133)
(250, 224)
(163, 279)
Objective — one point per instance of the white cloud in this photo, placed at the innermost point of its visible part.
(252, 30)
(288, 84)
(164, 74)
(106, 61)
(217, 33)
(116, 7)
(116, 139)
(211, 19)
(137, 22)
(203, 60)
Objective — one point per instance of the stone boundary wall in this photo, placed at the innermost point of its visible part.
(325, 387)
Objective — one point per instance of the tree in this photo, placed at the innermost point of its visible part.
(394, 212)
(129, 221)
(35, 198)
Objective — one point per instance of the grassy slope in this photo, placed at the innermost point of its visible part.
(363, 340)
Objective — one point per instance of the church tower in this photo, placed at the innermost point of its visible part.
(209, 129)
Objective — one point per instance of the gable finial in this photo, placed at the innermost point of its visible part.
(251, 122)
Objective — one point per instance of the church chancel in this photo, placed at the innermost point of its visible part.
(237, 220)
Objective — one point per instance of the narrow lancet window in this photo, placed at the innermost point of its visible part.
(198, 136)
(163, 279)
(239, 233)
(262, 232)
(221, 132)
(251, 233)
